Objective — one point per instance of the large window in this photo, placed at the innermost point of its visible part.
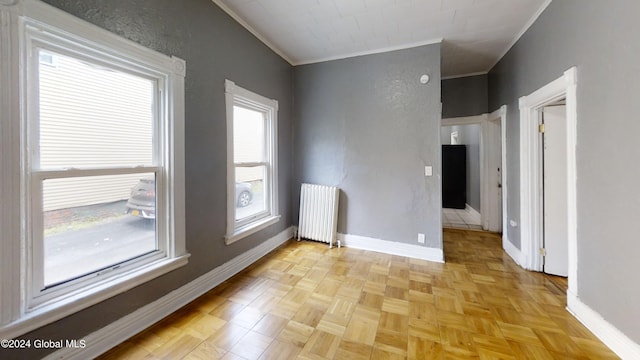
(94, 178)
(252, 172)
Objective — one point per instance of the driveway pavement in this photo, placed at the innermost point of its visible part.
(73, 252)
(97, 246)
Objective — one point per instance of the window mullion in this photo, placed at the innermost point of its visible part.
(250, 164)
(35, 235)
(73, 172)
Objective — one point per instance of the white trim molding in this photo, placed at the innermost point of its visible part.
(371, 52)
(473, 212)
(615, 339)
(253, 31)
(531, 221)
(524, 29)
(512, 250)
(240, 228)
(451, 77)
(392, 247)
(115, 333)
(465, 120)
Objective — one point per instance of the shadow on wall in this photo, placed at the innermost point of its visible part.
(342, 215)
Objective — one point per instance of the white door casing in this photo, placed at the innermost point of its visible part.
(490, 144)
(531, 231)
(555, 182)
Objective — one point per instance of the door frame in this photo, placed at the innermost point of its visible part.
(485, 214)
(531, 193)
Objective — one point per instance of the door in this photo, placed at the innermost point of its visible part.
(556, 259)
(494, 166)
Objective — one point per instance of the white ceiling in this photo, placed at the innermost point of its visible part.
(475, 33)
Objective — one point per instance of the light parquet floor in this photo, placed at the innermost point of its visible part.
(306, 301)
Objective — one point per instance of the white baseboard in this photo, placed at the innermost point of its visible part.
(115, 333)
(607, 333)
(391, 247)
(473, 212)
(512, 250)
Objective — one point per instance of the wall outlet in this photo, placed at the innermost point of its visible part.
(428, 171)
(421, 238)
(513, 223)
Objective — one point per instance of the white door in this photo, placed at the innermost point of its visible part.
(494, 168)
(556, 260)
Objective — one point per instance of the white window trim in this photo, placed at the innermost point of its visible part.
(531, 220)
(20, 20)
(235, 94)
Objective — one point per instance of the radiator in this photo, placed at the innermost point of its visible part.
(319, 213)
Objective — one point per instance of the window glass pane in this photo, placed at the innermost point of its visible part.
(91, 223)
(248, 135)
(250, 197)
(91, 115)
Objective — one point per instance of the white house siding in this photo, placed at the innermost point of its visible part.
(248, 142)
(88, 120)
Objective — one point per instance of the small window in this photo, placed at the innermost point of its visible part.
(252, 174)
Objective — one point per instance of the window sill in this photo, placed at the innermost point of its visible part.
(251, 228)
(80, 300)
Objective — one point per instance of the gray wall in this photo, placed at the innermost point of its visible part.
(465, 96)
(600, 38)
(471, 137)
(367, 125)
(468, 135)
(215, 47)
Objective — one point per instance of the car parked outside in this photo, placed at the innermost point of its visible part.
(142, 202)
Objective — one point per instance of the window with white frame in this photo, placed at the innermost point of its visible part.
(99, 196)
(252, 199)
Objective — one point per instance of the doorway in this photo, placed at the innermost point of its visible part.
(491, 213)
(494, 172)
(532, 176)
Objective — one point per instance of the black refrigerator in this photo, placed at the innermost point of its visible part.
(454, 176)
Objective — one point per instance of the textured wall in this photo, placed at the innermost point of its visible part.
(215, 48)
(465, 96)
(367, 125)
(600, 38)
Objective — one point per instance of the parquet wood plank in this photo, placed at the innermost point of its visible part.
(305, 301)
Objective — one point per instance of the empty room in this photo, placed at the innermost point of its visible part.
(319, 179)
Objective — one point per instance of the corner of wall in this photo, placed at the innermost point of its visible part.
(617, 341)
(392, 247)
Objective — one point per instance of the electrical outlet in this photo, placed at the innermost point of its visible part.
(513, 223)
(421, 238)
